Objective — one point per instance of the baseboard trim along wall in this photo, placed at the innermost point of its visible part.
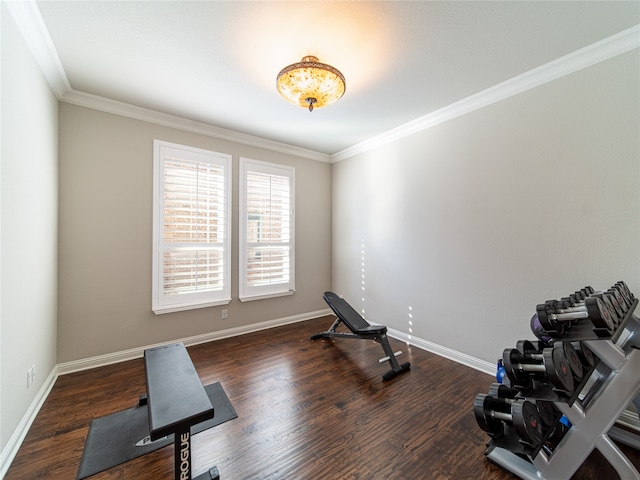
(458, 357)
(117, 357)
(628, 418)
(13, 445)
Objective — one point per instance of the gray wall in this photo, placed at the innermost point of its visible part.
(468, 225)
(106, 167)
(28, 228)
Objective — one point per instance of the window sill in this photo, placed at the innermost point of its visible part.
(159, 310)
(250, 298)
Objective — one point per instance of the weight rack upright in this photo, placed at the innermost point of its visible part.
(593, 417)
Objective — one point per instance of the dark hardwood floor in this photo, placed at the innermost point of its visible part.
(306, 410)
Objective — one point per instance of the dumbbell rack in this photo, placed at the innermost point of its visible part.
(593, 416)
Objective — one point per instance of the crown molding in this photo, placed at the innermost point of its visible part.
(29, 21)
(107, 105)
(600, 51)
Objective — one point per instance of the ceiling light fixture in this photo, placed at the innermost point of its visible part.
(311, 84)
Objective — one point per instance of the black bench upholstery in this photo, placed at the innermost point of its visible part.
(176, 400)
(350, 317)
(360, 329)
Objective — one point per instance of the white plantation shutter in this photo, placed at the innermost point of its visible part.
(266, 230)
(191, 228)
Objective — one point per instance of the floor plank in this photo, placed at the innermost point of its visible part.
(306, 410)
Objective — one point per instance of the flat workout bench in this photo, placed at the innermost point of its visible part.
(360, 329)
(176, 400)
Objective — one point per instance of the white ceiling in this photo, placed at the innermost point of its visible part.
(216, 61)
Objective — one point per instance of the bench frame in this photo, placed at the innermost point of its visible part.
(360, 329)
(170, 374)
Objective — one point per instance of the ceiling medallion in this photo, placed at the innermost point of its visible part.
(311, 84)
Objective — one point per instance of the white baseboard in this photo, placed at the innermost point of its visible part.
(123, 356)
(458, 357)
(13, 445)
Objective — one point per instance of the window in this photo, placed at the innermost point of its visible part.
(191, 228)
(266, 230)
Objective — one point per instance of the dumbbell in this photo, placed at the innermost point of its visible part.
(546, 410)
(551, 316)
(612, 300)
(575, 303)
(551, 365)
(523, 415)
(619, 294)
(557, 326)
(529, 349)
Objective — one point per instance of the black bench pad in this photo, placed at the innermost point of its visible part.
(352, 319)
(175, 395)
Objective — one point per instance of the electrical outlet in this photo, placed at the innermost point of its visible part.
(224, 314)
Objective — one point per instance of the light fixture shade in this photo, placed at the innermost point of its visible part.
(311, 84)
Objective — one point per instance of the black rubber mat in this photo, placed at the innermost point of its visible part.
(112, 439)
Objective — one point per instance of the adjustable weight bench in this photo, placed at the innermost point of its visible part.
(360, 329)
(176, 400)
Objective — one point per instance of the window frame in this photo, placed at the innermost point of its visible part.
(246, 292)
(162, 303)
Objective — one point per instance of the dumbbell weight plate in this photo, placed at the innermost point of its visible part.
(608, 302)
(574, 360)
(526, 420)
(482, 405)
(599, 314)
(580, 295)
(624, 301)
(586, 355)
(511, 357)
(502, 391)
(617, 301)
(527, 347)
(558, 369)
(625, 292)
(547, 412)
(548, 324)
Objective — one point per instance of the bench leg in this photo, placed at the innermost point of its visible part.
(182, 454)
(396, 368)
(328, 333)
